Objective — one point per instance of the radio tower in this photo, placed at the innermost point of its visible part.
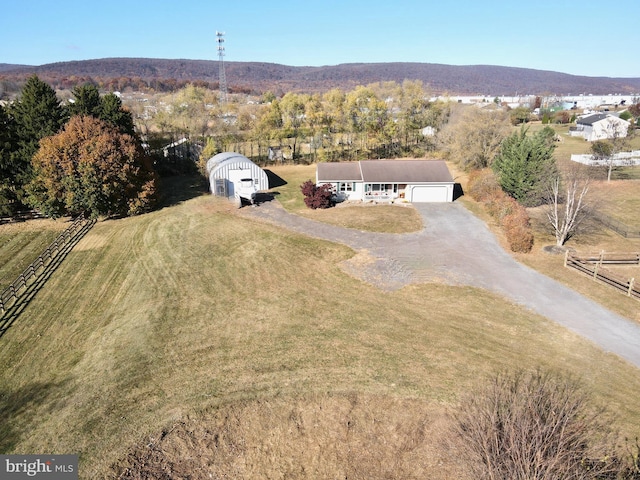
(223, 77)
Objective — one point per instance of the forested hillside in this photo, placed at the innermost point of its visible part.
(257, 77)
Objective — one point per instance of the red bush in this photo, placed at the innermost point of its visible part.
(317, 196)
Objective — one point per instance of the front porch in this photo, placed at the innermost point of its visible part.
(383, 192)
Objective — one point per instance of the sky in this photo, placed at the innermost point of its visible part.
(580, 37)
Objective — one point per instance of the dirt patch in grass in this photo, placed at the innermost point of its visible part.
(332, 436)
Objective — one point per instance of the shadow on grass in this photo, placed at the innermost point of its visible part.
(457, 191)
(275, 180)
(21, 405)
(180, 188)
(12, 312)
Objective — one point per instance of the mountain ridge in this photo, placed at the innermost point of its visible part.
(258, 77)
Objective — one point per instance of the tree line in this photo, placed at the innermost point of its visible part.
(383, 120)
(374, 121)
(84, 157)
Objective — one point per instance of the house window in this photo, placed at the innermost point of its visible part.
(378, 188)
(346, 186)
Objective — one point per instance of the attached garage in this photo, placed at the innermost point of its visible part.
(429, 193)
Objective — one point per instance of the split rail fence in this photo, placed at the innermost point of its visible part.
(592, 265)
(41, 264)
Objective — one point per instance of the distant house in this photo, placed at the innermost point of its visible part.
(388, 180)
(600, 126)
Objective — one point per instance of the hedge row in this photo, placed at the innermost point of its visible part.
(511, 216)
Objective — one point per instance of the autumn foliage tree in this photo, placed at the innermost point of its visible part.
(316, 196)
(91, 168)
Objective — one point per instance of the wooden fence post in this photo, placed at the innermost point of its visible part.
(566, 257)
(595, 270)
(630, 287)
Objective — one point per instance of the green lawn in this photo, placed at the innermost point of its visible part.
(169, 316)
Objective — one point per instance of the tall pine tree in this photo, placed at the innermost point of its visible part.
(7, 146)
(525, 165)
(35, 115)
(88, 102)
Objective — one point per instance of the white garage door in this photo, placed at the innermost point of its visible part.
(430, 193)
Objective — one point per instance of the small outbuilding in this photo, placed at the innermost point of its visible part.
(414, 181)
(232, 175)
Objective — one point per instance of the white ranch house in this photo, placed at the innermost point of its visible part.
(600, 126)
(388, 180)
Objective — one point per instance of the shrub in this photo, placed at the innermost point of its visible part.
(482, 184)
(317, 196)
(517, 229)
(500, 205)
(511, 216)
(528, 425)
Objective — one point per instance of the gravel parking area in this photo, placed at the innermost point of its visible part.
(457, 248)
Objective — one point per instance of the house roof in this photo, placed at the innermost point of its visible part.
(596, 117)
(386, 171)
(339, 171)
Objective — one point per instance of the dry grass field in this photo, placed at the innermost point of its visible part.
(22, 242)
(194, 340)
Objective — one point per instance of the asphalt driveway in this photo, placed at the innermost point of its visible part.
(458, 249)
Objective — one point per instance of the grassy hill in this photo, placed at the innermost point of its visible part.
(255, 353)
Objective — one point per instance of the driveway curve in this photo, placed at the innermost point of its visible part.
(457, 248)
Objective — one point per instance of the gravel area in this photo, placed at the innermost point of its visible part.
(457, 248)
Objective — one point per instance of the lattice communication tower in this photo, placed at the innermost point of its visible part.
(221, 73)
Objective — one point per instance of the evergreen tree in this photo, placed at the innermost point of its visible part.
(108, 108)
(112, 112)
(525, 165)
(86, 101)
(7, 176)
(35, 115)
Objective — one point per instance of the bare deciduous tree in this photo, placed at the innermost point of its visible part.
(567, 204)
(473, 136)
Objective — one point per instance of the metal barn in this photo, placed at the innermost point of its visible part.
(230, 172)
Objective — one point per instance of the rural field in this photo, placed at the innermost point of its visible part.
(196, 341)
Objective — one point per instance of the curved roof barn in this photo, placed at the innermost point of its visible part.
(228, 169)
